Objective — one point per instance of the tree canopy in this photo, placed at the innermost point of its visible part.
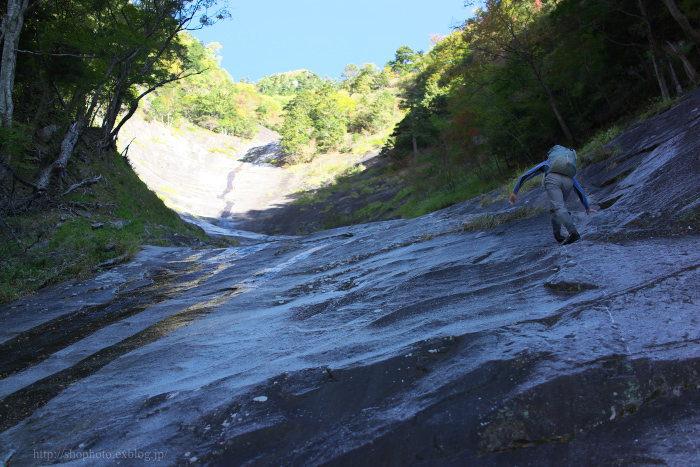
(79, 64)
(523, 75)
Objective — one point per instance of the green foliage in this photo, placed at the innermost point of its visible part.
(15, 140)
(594, 150)
(657, 106)
(376, 115)
(90, 63)
(298, 123)
(318, 114)
(333, 218)
(405, 60)
(518, 78)
(290, 84)
(210, 98)
(365, 80)
(427, 196)
(329, 117)
(321, 116)
(53, 246)
(369, 209)
(100, 57)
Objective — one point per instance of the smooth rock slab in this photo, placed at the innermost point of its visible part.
(380, 345)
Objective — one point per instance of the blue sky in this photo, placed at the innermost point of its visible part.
(265, 37)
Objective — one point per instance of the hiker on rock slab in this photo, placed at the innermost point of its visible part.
(559, 179)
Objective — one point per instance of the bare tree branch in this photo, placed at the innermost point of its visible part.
(51, 54)
(134, 105)
(58, 93)
(87, 181)
(690, 70)
(683, 22)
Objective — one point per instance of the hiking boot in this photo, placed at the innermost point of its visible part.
(559, 237)
(573, 236)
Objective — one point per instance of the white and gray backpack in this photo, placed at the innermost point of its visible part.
(562, 161)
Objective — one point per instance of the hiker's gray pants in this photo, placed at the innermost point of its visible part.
(559, 188)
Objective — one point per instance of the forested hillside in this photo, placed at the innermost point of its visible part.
(71, 74)
(209, 97)
(313, 114)
(523, 75)
(492, 97)
(320, 120)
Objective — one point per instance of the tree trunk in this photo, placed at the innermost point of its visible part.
(530, 59)
(413, 135)
(115, 106)
(655, 56)
(676, 83)
(687, 66)
(555, 108)
(134, 105)
(11, 28)
(59, 165)
(685, 25)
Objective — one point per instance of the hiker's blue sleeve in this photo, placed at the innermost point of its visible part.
(581, 194)
(539, 168)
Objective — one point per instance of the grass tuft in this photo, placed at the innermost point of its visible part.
(489, 220)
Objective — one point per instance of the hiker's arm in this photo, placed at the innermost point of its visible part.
(582, 197)
(541, 167)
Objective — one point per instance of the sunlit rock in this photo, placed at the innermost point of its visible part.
(393, 343)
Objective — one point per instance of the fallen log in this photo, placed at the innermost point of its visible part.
(59, 165)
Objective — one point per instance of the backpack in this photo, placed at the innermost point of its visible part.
(562, 161)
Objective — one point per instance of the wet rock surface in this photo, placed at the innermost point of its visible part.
(335, 209)
(231, 183)
(208, 174)
(393, 343)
